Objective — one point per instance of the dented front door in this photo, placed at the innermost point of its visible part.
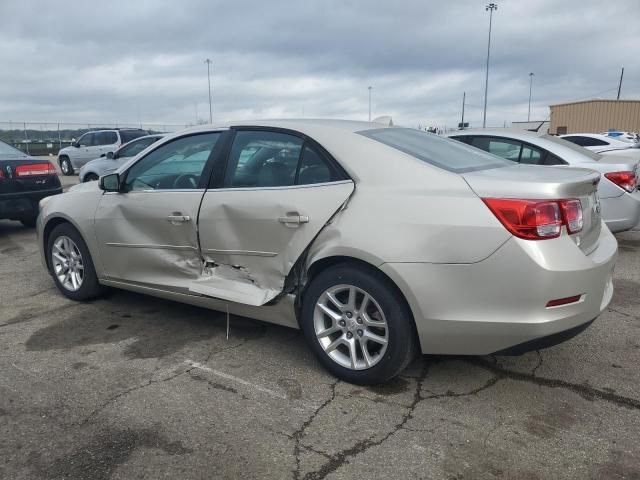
(147, 234)
(277, 195)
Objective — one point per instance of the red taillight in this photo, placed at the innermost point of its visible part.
(528, 219)
(537, 219)
(625, 180)
(1, 174)
(35, 170)
(572, 215)
(563, 301)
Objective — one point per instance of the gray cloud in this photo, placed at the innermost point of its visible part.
(128, 61)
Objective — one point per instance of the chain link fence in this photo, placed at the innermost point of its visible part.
(45, 138)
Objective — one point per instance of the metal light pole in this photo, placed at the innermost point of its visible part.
(369, 88)
(209, 62)
(530, 85)
(490, 8)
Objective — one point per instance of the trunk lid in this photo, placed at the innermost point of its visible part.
(13, 181)
(544, 183)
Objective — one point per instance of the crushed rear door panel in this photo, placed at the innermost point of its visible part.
(251, 238)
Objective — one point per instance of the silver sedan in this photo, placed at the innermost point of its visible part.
(110, 162)
(378, 242)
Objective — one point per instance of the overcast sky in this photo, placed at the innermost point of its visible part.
(136, 60)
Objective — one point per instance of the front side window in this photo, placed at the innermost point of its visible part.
(176, 165)
(86, 140)
(135, 147)
(441, 152)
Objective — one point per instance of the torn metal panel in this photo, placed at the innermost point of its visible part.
(232, 283)
(261, 232)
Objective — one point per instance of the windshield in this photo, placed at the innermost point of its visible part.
(442, 152)
(9, 151)
(576, 148)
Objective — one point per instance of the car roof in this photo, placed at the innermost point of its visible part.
(514, 133)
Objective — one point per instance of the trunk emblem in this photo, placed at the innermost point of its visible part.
(9, 171)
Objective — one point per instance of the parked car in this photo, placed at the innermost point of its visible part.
(94, 144)
(376, 242)
(630, 137)
(618, 188)
(110, 162)
(24, 181)
(597, 142)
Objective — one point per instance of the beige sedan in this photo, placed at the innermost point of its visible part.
(378, 242)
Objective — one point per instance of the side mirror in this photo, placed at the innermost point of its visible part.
(76, 144)
(110, 155)
(110, 183)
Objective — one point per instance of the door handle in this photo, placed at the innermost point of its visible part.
(177, 218)
(295, 219)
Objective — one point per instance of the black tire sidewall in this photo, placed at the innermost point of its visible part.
(399, 320)
(69, 171)
(90, 177)
(90, 287)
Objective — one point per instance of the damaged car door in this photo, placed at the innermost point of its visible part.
(147, 232)
(278, 191)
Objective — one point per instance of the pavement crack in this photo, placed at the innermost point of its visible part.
(451, 394)
(585, 391)
(539, 364)
(300, 432)
(135, 388)
(339, 459)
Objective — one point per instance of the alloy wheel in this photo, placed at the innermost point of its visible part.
(351, 327)
(68, 265)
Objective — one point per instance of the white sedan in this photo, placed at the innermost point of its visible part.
(618, 188)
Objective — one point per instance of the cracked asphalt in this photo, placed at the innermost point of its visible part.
(135, 387)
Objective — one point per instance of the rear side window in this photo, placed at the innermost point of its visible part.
(128, 135)
(502, 147)
(441, 152)
(105, 138)
(261, 158)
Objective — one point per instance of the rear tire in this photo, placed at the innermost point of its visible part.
(67, 253)
(65, 166)
(382, 325)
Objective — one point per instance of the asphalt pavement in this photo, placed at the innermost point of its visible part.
(131, 386)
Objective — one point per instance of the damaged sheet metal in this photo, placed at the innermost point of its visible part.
(232, 283)
(253, 237)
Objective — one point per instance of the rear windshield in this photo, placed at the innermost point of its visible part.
(128, 135)
(442, 152)
(576, 148)
(9, 151)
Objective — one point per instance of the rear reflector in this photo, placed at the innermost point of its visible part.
(625, 180)
(35, 170)
(563, 301)
(537, 219)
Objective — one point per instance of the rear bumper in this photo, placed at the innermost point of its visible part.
(500, 302)
(621, 213)
(16, 206)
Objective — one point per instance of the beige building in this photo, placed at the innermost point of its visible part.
(595, 116)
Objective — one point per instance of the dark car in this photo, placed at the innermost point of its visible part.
(24, 181)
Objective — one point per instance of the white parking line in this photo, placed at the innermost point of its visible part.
(239, 380)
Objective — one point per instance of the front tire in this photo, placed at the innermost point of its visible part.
(65, 166)
(90, 177)
(71, 265)
(358, 324)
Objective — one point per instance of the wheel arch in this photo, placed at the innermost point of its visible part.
(48, 228)
(318, 265)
